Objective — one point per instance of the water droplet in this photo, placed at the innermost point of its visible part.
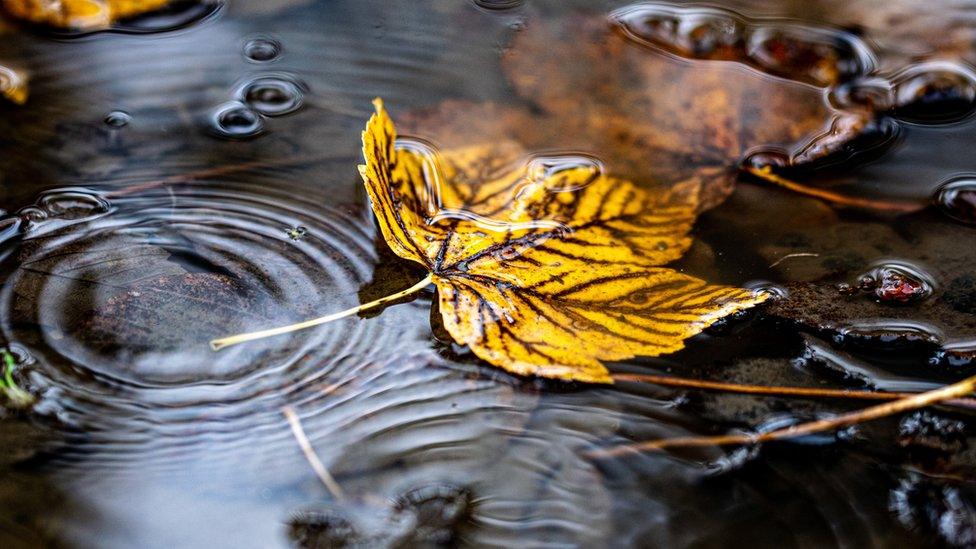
(957, 198)
(262, 49)
(542, 168)
(234, 120)
(273, 95)
(876, 94)
(707, 33)
(72, 205)
(957, 357)
(822, 56)
(888, 334)
(819, 56)
(117, 119)
(767, 157)
(897, 283)
(32, 214)
(935, 93)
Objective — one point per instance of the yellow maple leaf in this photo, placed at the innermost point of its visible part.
(79, 14)
(543, 268)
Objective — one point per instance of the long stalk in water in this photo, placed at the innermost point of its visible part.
(218, 344)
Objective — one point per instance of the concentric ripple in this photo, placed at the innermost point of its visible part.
(117, 308)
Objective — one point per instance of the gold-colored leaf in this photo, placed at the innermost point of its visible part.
(79, 14)
(547, 267)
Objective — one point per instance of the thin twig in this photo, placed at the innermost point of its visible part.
(772, 390)
(791, 256)
(914, 402)
(296, 429)
(766, 174)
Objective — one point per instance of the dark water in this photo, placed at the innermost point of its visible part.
(164, 188)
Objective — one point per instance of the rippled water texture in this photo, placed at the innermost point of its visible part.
(192, 174)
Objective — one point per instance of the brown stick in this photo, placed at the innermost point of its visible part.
(907, 404)
(766, 174)
(809, 392)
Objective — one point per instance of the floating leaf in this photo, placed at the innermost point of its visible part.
(79, 14)
(547, 268)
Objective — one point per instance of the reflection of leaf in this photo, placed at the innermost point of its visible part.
(79, 14)
(642, 107)
(543, 270)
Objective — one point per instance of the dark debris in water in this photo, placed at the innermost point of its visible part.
(435, 515)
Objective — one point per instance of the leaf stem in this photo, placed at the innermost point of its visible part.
(914, 402)
(218, 344)
(776, 390)
(766, 174)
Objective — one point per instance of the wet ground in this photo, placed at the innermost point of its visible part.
(193, 174)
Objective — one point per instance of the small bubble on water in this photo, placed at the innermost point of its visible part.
(957, 199)
(32, 214)
(262, 49)
(873, 93)
(72, 205)
(773, 290)
(273, 95)
(117, 119)
(763, 158)
(235, 120)
(935, 93)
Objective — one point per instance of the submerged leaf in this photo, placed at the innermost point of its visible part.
(79, 14)
(543, 268)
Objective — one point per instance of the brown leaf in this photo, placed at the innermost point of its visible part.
(655, 119)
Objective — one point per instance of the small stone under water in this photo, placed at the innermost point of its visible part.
(441, 511)
(234, 120)
(323, 530)
(957, 199)
(897, 283)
